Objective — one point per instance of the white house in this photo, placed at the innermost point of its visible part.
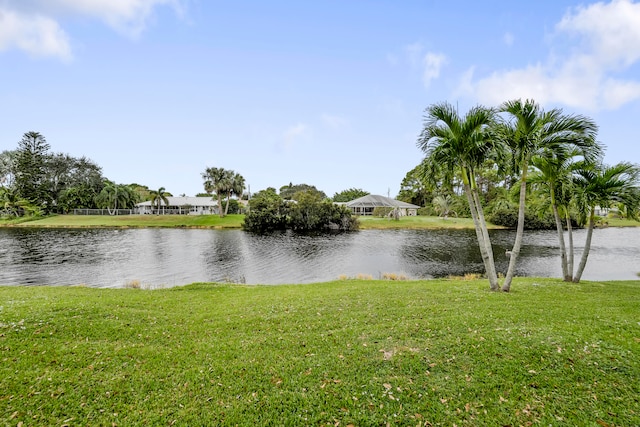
(181, 206)
(365, 205)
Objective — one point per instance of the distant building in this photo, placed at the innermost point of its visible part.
(181, 206)
(366, 204)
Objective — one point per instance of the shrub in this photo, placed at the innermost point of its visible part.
(508, 217)
(427, 211)
(382, 211)
(269, 212)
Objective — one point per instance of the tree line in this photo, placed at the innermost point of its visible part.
(519, 150)
(35, 181)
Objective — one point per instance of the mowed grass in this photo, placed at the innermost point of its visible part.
(133, 221)
(417, 222)
(361, 353)
(230, 221)
(235, 221)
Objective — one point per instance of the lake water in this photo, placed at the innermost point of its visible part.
(171, 257)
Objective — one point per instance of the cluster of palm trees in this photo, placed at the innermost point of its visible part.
(556, 151)
(115, 196)
(224, 183)
(12, 205)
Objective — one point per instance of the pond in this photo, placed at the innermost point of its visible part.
(172, 257)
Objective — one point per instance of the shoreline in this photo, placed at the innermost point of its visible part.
(234, 222)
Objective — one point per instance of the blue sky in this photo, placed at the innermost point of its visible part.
(329, 93)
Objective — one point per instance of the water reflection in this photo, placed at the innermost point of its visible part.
(170, 257)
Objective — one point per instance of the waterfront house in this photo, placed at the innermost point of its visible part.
(365, 205)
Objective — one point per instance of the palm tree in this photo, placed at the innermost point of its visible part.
(527, 131)
(451, 141)
(11, 203)
(443, 205)
(236, 188)
(554, 174)
(113, 195)
(158, 197)
(217, 180)
(602, 186)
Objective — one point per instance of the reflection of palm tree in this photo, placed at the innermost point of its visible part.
(529, 132)
(601, 186)
(158, 197)
(451, 141)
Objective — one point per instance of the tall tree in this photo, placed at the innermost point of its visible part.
(7, 167)
(30, 172)
(288, 192)
(218, 181)
(601, 186)
(527, 131)
(158, 197)
(236, 188)
(451, 141)
(114, 196)
(349, 195)
(553, 174)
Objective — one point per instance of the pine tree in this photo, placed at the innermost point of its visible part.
(30, 173)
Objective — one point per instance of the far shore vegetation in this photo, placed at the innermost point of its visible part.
(234, 221)
(350, 352)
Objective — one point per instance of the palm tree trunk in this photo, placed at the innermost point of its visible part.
(563, 249)
(482, 235)
(491, 272)
(570, 237)
(226, 208)
(587, 247)
(220, 206)
(515, 251)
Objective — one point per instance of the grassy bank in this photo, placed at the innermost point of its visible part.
(133, 221)
(235, 221)
(350, 352)
(214, 221)
(416, 222)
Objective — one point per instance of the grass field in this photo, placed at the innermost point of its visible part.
(230, 221)
(416, 222)
(235, 221)
(187, 221)
(361, 353)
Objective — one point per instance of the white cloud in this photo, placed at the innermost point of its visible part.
(610, 31)
(432, 63)
(508, 39)
(413, 52)
(293, 134)
(126, 16)
(429, 63)
(33, 26)
(334, 122)
(37, 35)
(608, 42)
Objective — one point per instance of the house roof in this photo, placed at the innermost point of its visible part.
(184, 201)
(374, 201)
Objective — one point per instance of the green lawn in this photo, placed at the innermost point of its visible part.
(619, 222)
(343, 353)
(235, 221)
(230, 221)
(195, 221)
(416, 222)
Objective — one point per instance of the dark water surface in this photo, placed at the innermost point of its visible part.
(171, 257)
